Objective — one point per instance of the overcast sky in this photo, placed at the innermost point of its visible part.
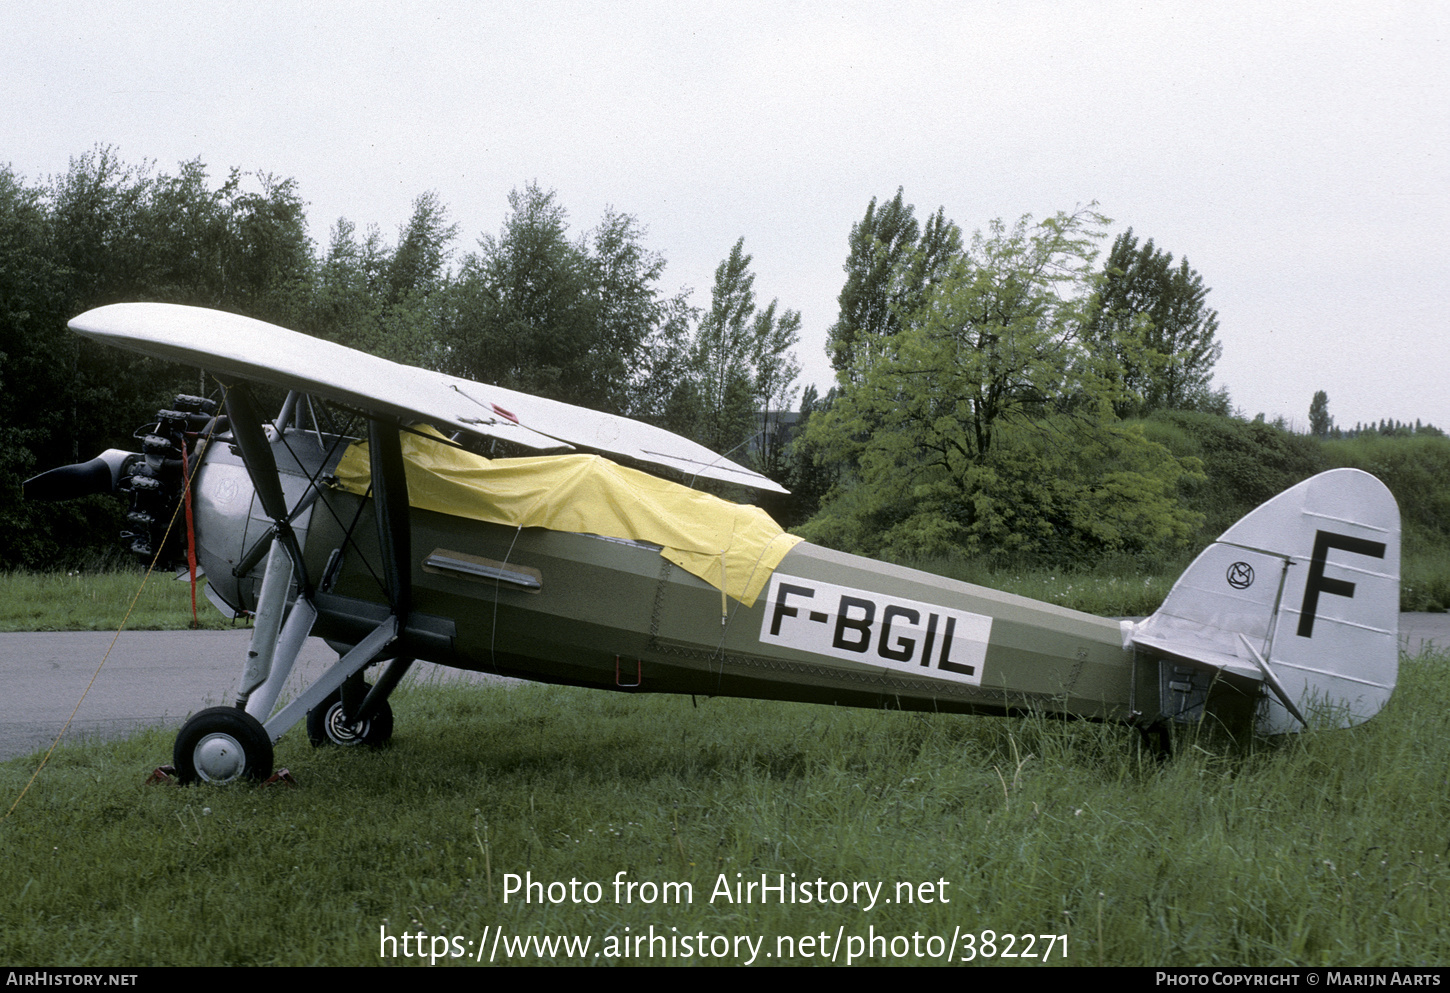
(1295, 153)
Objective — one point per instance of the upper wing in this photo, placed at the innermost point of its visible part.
(251, 349)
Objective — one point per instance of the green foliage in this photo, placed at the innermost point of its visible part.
(810, 473)
(124, 230)
(720, 356)
(984, 424)
(741, 368)
(417, 264)
(891, 265)
(1416, 468)
(101, 233)
(523, 316)
(580, 321)
(1057, 488)
(1244, 462)
(1390, 427)
(1151, 318)
(33, 363)
(349, 303)
(636, 322)
(776, 370)
(383, 299)
(1320, 423)
(1424, 572)
(1248, 462)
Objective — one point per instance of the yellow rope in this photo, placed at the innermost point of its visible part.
(190, 471)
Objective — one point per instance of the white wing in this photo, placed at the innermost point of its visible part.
(250, 349)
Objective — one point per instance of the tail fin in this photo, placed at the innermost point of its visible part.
(1301, 595)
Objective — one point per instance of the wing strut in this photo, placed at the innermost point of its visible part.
(280, 631)
(262, 468)
(390, 502)
(395, 539)
(274, 644)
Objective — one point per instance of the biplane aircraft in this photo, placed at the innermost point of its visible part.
(402, 537)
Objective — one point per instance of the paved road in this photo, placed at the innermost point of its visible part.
(151, 677)
(160, 677)
(1419, 632)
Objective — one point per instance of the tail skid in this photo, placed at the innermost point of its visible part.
(1301, 596)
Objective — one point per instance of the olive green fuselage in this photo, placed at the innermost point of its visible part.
(830, 628)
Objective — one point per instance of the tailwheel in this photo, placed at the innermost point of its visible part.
(1158, 739)
(326, 725)
(221, 745)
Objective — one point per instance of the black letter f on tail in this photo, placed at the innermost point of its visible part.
(1323, 542)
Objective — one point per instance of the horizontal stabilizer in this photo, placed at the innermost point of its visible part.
(1303, 595)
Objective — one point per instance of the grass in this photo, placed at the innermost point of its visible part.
(1118, 586)
(1425, 577)
(1320, 848)
(98, 600)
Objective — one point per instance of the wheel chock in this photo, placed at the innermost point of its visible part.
(283, 776)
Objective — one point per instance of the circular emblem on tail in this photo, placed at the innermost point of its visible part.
(1241, 575)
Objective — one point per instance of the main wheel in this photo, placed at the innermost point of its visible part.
(326, 726)
(222, 745)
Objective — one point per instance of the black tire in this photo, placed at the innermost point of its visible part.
(325, 725)
(222, 745)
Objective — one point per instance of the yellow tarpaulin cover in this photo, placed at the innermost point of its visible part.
(731, 546)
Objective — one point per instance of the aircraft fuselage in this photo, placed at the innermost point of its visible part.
(579, 609)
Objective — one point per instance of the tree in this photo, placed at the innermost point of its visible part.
(125, 233)
(270, 258)
(577, 320)
(640, 331)
(776, 369)
(36, 362)
(103, 232)
(523, 314)
(1320, 423)
(811, 473)
(989, 425)
(417, 264)
(885, 244)
(721, 356)
(741, 368)
(387, 300)
(1150, 317)
(345, 295)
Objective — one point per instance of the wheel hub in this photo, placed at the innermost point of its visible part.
(219, 758)
(340, 731)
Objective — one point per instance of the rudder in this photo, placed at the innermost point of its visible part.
(1302, 595)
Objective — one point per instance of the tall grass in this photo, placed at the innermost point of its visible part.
(1117, 585)
(1321, 848)
(98, 600)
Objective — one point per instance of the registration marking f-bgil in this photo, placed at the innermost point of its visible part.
(873, 629)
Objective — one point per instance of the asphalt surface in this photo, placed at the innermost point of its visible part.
(150, 678)
(160, 677)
